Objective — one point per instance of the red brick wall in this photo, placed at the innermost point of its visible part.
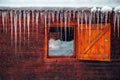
(28, 63)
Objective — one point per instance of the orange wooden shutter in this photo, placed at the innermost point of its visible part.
(94, 42)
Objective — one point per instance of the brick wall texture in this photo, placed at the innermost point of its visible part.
(28, 62)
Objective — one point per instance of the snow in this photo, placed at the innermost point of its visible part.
(94, 9)
(106, 9)
(60, 48)
(117, 9)
(59, 3)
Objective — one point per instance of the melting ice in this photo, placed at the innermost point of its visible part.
(80, 16)
(117, 21)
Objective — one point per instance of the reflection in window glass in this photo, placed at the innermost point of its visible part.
(61, 41)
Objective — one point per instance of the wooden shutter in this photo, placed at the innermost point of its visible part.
(94, 42)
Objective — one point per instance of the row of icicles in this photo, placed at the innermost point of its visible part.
(95, 15)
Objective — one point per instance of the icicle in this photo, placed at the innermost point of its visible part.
(74, 14)
(6, 17)
(65, 17)
(37, 16)
(28, 25)
(61, 22)
(93, 17)
(82, 20)
(15, 29)
(106, 17)
(11, 20)
(20, 29)
(117, 17)
(53, 16)
(69, 20)
(41, 17)
(93, 11)
(86, 19)
(90, 21)
(32, 19)
(101, 19)
(61, 18)
(45, 22)
(105, 10)
(115, 24)
(118, 25)
(3, 20)
(49, 19)
(57, 17)
(98, 11)
(78, 20)
(24, 15)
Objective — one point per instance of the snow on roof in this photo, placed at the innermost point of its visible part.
(59, 3)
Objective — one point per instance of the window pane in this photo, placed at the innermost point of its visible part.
(61, 41)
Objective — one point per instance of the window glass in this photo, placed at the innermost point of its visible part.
(61, 41)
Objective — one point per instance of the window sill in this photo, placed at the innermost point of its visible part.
(59, 59)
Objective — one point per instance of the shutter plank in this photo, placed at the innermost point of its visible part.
(96, 46)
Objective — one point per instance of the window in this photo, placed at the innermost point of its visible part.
(61, 41)
(83, 43)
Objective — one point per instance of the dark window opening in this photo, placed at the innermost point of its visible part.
(61, 41)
